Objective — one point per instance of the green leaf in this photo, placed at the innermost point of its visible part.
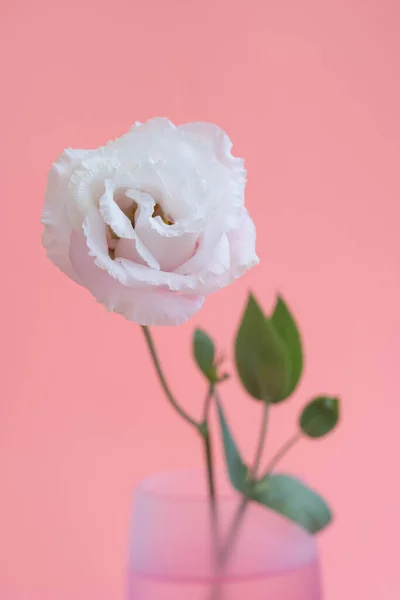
(289, 497)
(320, 416)
(204, 353)
(238, 472)
(286, 327)
(261, 358)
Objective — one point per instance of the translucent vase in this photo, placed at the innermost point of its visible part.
(173, 550)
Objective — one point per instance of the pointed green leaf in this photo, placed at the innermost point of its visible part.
(237, 470)
(320, 416)
(261, 358)
(286, 327)
(291, 498)
(204, 354)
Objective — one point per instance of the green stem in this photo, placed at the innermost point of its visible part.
(241, 510)
(281, 453)
(238, 518)
(261, 441)
(164, 384)
(245, 500)
(205, 433)
(202, 427)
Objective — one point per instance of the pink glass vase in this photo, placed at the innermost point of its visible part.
(172, 547)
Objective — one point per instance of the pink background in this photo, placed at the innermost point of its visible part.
(309, 92)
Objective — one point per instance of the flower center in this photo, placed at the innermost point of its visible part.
(158, 212)
(113, 238)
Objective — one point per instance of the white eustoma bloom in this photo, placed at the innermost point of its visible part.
(152, 222)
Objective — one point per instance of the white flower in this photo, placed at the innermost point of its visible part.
(153, 221)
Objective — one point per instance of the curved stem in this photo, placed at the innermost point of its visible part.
(202, 427)
(281, 453)
(164, 384)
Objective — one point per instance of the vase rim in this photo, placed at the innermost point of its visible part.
(159, 485)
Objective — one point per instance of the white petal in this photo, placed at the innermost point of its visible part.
(218, 141)
(122, 226)
(190, 168)
(144, 305)
(217, 266)
(242, 241)
(170, 245)
(161, 307)
(129, 273)
(137, 275)
(170, 252)
(206, 252)
(220, 260)
(144, 215)
(94, 230)
(113, 215)
(57, 225)
(127, 249)
(156, 124)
